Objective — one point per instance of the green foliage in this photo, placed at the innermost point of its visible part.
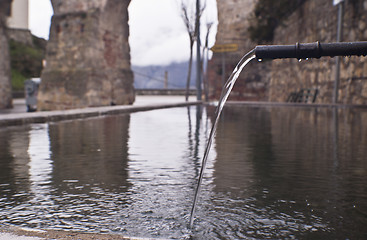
(39, 43)
(17, 80)
(268, 14)
(19, 50)
(26, 61)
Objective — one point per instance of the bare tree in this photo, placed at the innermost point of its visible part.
(205, 58)
(189, 17)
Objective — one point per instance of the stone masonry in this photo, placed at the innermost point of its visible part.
(5, 85)
(252, 84)
(315, 21)
(88, 56)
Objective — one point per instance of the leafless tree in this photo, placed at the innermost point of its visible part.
(205, 56)
(189, 17)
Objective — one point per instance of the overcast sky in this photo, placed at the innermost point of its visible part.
(157, 33)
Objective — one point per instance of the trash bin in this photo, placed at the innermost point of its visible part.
(31, 91)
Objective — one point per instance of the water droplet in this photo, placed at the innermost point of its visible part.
(299, 60)
(259, 60)
(307, 59)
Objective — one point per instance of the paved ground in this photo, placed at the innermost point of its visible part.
(18, 107)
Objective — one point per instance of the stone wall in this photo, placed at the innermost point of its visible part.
(316, 20)
(5, 85)
(75, 6)
(233, 18)
(88, 56)
(20, 35)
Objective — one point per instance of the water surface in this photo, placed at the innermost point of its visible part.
(296, 173)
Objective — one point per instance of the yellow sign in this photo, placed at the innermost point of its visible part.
(220, 48)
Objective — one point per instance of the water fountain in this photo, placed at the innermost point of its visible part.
(298, 51)
(276, 172)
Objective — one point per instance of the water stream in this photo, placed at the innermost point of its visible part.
(224, 96)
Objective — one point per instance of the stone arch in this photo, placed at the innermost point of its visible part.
(88, 56)
(5, 85)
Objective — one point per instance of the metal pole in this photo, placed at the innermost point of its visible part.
(339, 37)
(198, 58)
(207, 74)
(311, 50)
(165, 80)
(223, 69)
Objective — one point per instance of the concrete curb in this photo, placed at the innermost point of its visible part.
(16, 119)
(9, 232)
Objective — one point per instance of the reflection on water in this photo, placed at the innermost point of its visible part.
(273, 173)
(291, 172)
(40, 164)
(39, 173)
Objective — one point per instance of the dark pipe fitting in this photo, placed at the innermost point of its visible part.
(311, 50)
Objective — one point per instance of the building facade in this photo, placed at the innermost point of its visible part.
(18, 15)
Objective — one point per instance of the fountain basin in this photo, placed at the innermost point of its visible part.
(274, 172)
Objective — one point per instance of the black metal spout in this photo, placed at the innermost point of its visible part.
(311, 50)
